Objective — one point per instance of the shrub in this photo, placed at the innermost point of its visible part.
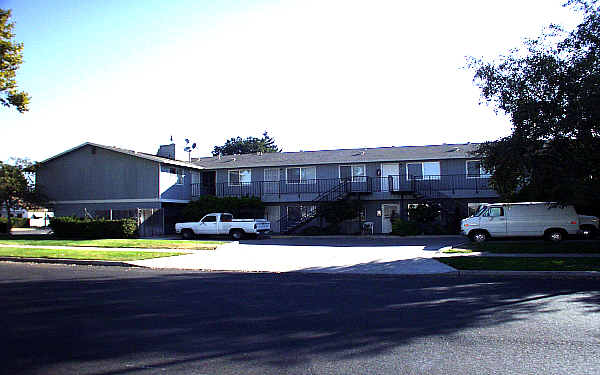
(241, 208)
(405, 228)
(336, 212)
(72, 227)
(16, 222)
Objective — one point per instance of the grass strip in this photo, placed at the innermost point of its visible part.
(535, 247)
(118, 243)
(83, 254)
(522, 263)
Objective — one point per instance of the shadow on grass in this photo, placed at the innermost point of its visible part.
(173, 320)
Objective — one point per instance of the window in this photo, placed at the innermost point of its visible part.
(493, 212)
(195, 177)
(179, 173)
(301, 175)
(240, 177)
(474, 208)
(429, 170)
(226, 218)
(354, 173)
(210, 219)
(475, 169)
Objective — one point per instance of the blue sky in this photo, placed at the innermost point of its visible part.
(315, 74)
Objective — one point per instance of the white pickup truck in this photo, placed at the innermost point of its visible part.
(222, 223)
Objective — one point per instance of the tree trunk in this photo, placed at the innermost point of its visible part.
(8, 205)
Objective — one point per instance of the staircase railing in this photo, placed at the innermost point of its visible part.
(337, 192)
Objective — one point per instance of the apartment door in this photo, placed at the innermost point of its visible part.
(271, 184)
(388, 170)
(389, 211)
(272, 213)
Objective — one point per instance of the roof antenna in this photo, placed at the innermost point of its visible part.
(171, 139)
(189, 148)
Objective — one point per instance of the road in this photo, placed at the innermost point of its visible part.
(59, 319)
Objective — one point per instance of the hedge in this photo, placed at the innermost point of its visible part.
(241, 208)
(16, 222)
(72, 227)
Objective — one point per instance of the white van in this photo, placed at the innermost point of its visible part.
(528, 219)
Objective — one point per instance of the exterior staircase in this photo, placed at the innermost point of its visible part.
(338, 192)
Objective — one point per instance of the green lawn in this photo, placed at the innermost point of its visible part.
(118, 243)
(83, 254)
(522, 263)
(533, 247)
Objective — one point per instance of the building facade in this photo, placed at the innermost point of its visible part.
(386, 181)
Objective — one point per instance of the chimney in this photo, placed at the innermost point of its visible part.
(167, 151)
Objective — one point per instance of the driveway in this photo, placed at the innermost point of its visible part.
(331, 254)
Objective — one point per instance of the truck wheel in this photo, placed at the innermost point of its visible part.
(187, 234)
(555, 235)
(237, 234)
(478, 236)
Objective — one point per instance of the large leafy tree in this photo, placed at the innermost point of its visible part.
(248, 145)
(11, 58)
(17, 186)
(550, 89)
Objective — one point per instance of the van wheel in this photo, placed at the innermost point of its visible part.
(555, 236)
(237, 234)
(187, 234)
(478, 236)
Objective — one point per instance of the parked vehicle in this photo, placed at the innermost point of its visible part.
(223, 224)
(528, 219)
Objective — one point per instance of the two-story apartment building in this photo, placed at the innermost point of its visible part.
(387, 180)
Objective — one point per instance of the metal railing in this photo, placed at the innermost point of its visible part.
(426, 185)
(339, 191)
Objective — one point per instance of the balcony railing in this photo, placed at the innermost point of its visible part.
(426, 185)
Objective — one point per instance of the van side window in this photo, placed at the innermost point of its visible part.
(494, 211)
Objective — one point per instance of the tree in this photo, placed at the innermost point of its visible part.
(11, 57)
(550, 89)
(249, 145)
(17, 188)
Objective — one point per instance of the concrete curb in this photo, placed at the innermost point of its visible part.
(544, 274)
(78, 262)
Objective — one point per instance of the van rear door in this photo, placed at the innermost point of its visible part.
(494, 221)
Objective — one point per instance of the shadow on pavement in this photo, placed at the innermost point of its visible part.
(169, 321)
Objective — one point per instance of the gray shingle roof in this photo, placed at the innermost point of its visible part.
(129, 152)
(356, 155)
